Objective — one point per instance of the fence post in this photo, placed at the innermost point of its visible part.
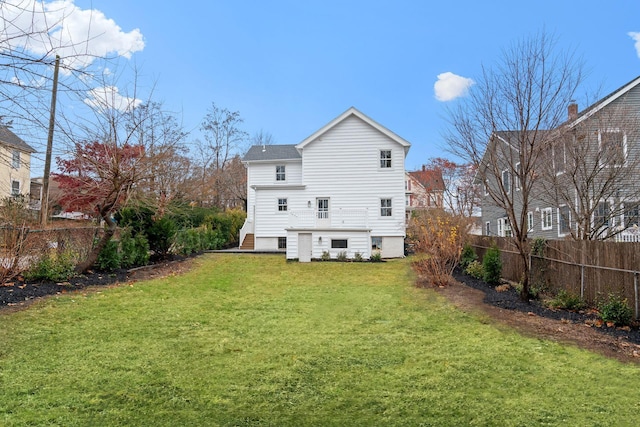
(635, 289)
(582, 281)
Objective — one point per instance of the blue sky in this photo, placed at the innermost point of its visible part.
(289, 67)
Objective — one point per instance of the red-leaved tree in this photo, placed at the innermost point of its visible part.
(98, 179)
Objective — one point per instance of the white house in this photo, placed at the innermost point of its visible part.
(339, 190)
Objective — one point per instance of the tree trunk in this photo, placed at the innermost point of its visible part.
(93, 255)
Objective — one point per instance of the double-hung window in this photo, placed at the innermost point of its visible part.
(385, 159)
(564, 220)
(547, 219)
(632, 214)
(601, 215)
(280, 173)
(282, 205)
(15, 159)
(529, 222)
(613, 148)
(506, 181)
(15, 188)
(385, 207)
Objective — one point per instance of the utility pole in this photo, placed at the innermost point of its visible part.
(44, 198)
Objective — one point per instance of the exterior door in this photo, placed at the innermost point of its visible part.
(322, 212)
(305, 247)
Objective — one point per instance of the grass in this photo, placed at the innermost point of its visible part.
(255, 340)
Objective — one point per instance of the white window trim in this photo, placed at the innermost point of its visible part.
(516, 177)
(542, 224)
(510, 186)
(530, 226)
(625, 147)
(284, 173)
(390, 159)
(390, 208)
(560, 233)
(285, 205)
(15, 159)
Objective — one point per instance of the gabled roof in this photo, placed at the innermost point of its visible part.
(12, 140)
(271, 153)
(354, 112)
(599, 105)
(430, 179)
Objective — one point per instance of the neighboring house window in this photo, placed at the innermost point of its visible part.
(601, 215)
(385, 207)
(282, 243)
(385, 158)
(506, 181)
(564, 220)
(559, 157)
(613, 148)
(376, 243)
(632, 214)
(15, 188)
(529, 221)
(282, 205)
(487, 228)
(280, 173)
(407, 200)
(15, 159)
(338, 243)
(516, 179)
(504, 227)
(547, 219)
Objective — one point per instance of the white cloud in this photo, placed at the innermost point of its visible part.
(636, 37)
(451, 86)
(60, 27)
(108, 97)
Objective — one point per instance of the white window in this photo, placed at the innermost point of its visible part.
(559, 157)
(376, 243)
(15, 159)
(385, 207)
(15, 188)
(385, 159)
(280, 173)
(504, 227)
(486, 189)
(282, 243)
(547, 219)
(601, 215)
(613, 148)
(323, 208)
(564, 220)
(632, 214)
(506, 181)
(282, 205)
(516, 179)
(529, 222)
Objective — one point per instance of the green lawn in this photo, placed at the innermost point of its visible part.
(254, 340)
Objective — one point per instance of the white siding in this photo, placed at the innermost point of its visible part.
(344, 165)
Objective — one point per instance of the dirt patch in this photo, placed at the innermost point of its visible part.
(534, 319)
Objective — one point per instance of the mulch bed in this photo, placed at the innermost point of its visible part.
(510, 300)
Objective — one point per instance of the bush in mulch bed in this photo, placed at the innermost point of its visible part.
(510, 299)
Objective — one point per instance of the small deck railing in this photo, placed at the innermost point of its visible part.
(334, 218)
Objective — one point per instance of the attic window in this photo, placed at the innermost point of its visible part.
(280, 173)
(385, 158)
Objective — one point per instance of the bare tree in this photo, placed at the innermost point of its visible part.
(262, 138)
(461, 194)
(590, 173)
(224, 139)
(503, 127)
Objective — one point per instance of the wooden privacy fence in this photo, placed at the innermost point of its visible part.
(592, 269)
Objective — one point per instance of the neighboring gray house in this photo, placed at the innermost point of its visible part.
(586, 179)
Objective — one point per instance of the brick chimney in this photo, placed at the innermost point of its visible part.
(573, 110)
